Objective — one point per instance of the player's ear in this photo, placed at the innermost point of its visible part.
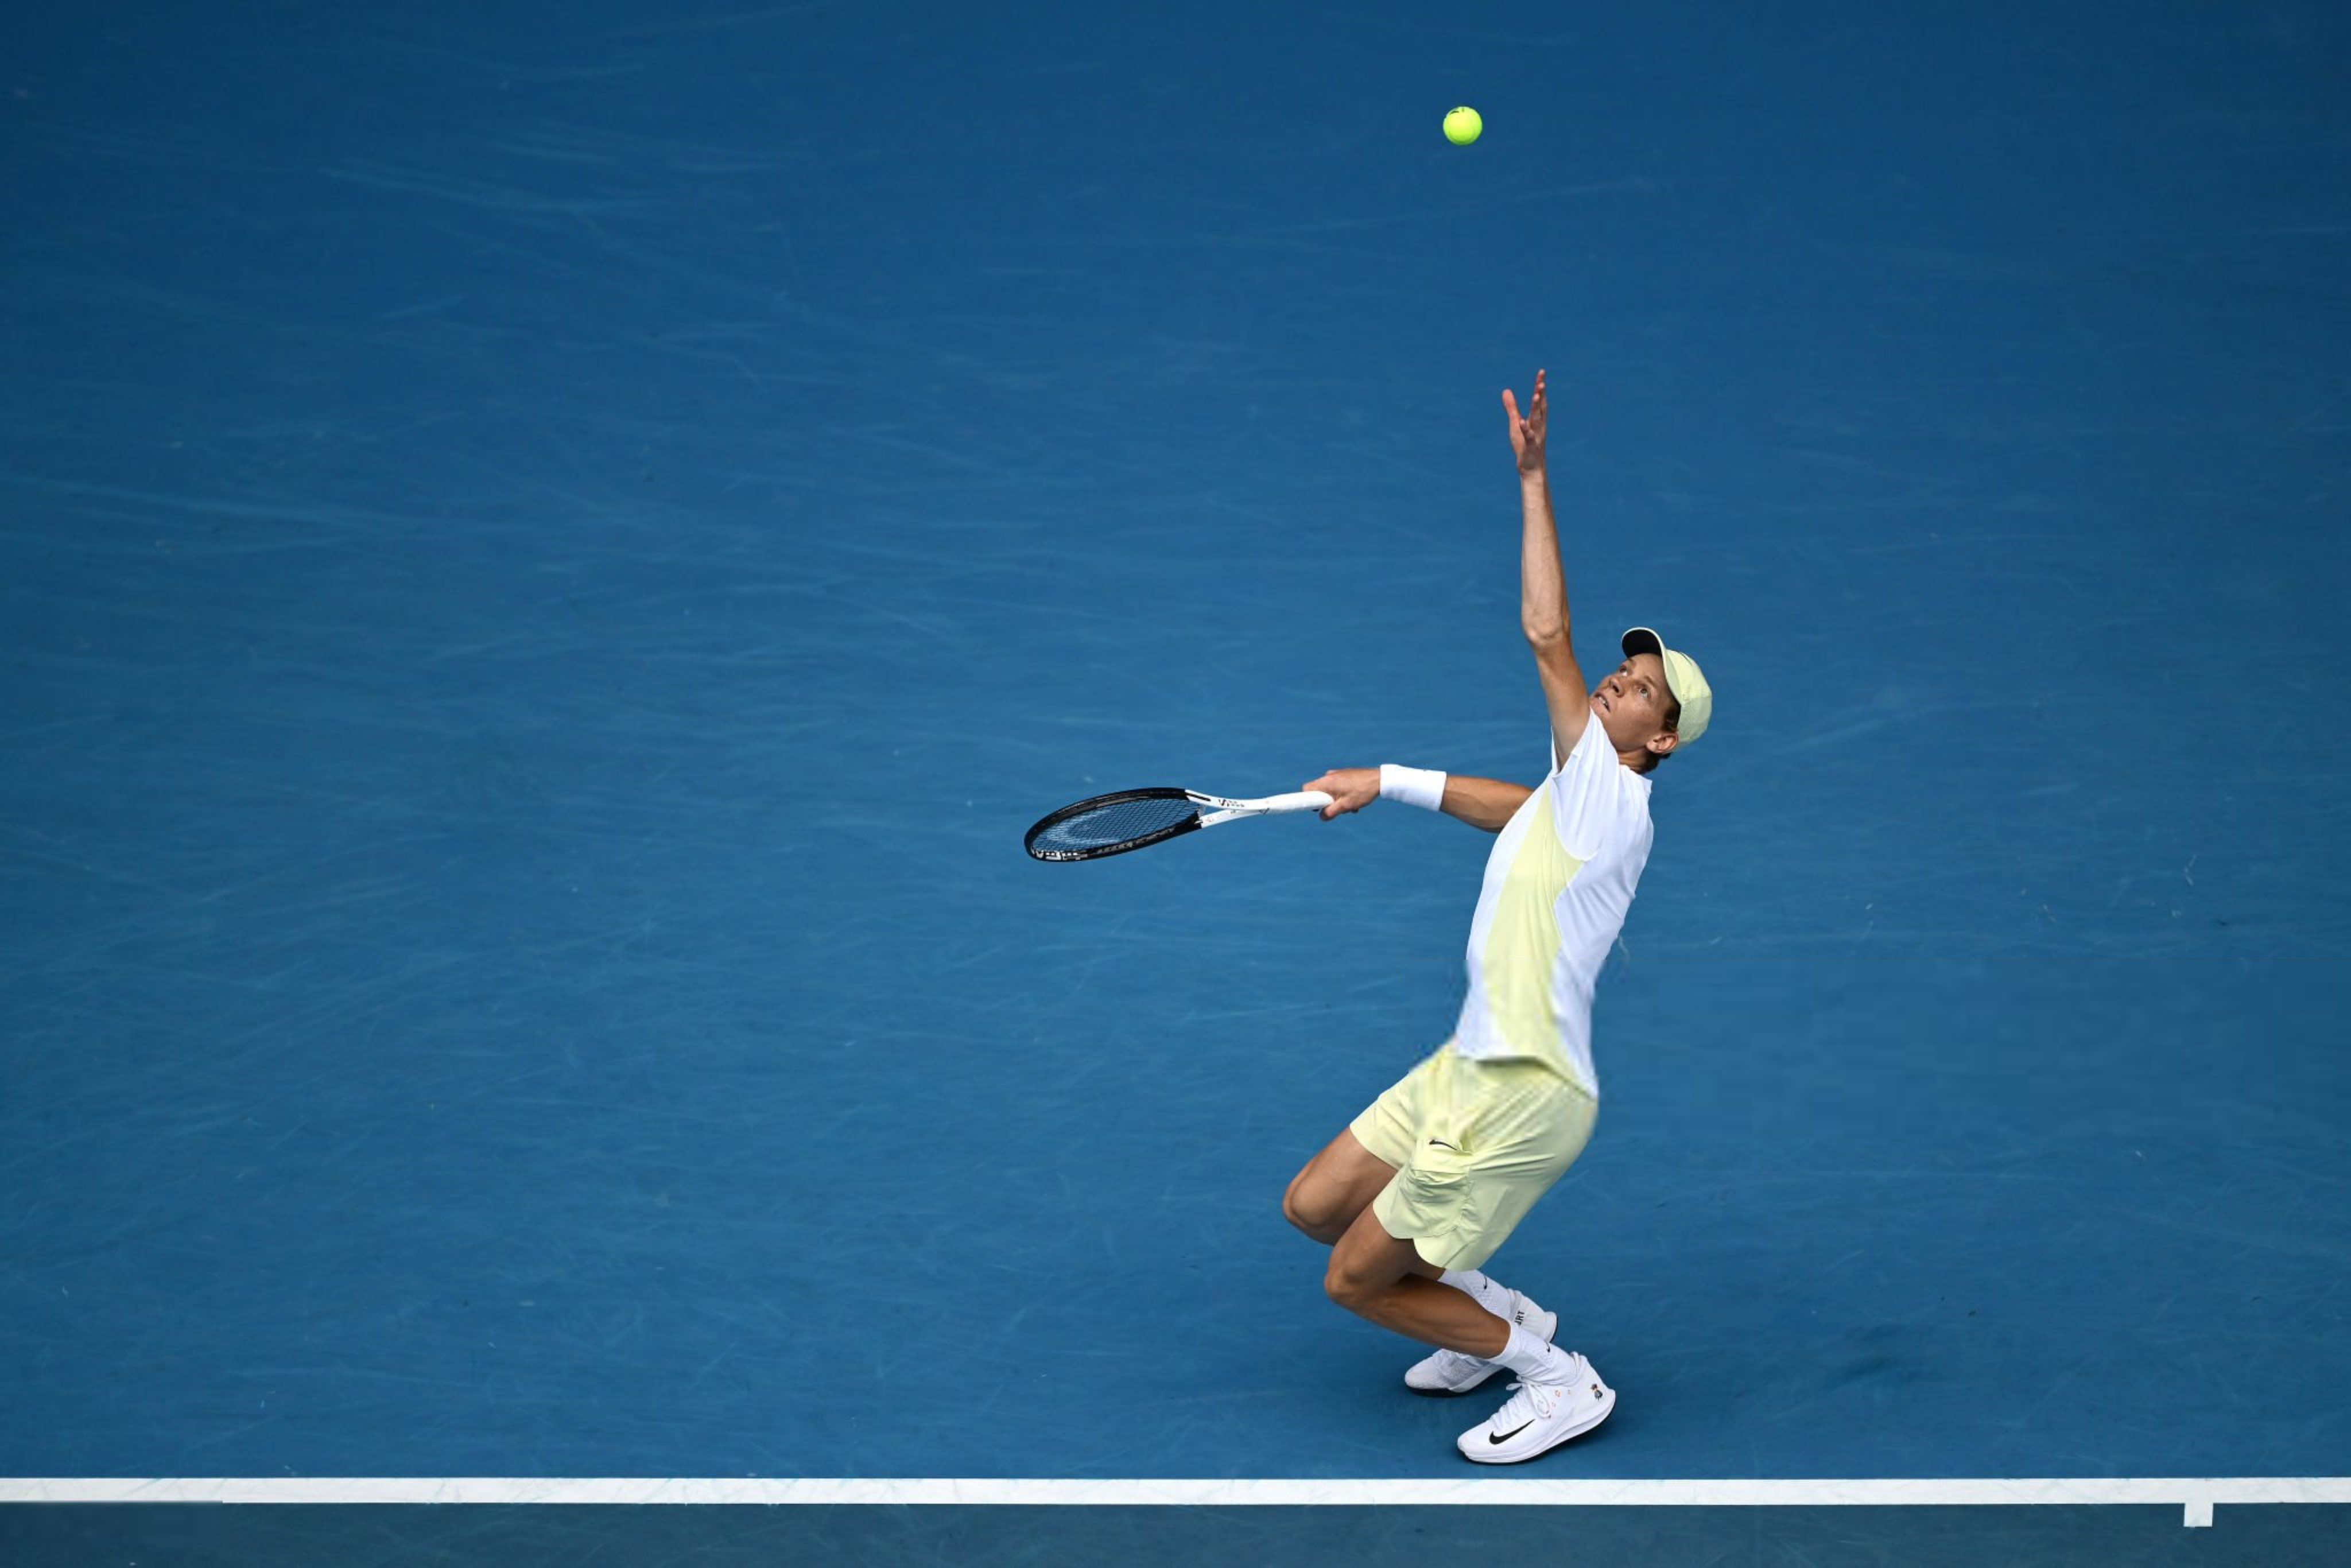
(1665, 740)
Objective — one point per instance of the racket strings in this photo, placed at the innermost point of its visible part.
(1116, 822)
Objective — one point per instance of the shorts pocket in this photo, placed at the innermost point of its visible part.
(1432, 1195)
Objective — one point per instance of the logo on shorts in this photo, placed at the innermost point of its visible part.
(1441, 1144)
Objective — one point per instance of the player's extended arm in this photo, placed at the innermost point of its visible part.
(1542, 586)
(1485, 803)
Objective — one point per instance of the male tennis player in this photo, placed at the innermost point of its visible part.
(1421, 1188)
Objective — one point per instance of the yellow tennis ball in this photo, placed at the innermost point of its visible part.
(1462, 126)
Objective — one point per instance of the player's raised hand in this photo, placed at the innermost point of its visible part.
(1527, 432)
(1349, 788)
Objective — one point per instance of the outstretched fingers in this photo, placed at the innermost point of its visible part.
(1528, 428)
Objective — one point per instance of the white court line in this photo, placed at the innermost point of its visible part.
(2195, 1494)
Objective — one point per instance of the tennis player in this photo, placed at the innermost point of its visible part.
(1415, 1195)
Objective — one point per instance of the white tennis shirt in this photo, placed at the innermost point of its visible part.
(1558, 886)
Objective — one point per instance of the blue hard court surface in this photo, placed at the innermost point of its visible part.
(547, 554)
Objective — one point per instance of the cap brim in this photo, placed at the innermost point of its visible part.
(1641, 640)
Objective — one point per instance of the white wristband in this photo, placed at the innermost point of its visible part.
(1414, 786)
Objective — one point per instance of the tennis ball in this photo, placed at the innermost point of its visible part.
(1462, 126)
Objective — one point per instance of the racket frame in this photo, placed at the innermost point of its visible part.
(1213, 810)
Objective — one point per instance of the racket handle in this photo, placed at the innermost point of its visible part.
(1302, 800)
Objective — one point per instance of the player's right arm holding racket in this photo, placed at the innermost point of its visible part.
(1481, 802)
(1488, 803)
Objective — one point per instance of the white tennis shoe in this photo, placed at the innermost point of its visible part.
(1448, 1372)
(1540, 1416)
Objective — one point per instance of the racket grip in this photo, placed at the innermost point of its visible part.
(1301, 800)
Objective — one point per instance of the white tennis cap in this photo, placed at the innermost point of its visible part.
(1683, 678)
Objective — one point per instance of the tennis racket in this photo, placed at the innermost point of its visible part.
(1137, 819)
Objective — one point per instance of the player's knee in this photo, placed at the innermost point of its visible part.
(1343, 1286)
(1294, 1206)
(1313, 1211)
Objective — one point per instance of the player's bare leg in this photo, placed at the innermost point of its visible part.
(1558, 1395)
(1385, 1280)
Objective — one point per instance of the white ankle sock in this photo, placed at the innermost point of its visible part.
(1533, 1360)
(1494, 1298)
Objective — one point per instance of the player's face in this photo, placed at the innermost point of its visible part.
(1632, 701)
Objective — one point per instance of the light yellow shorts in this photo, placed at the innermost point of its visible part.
(1473, 1145)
